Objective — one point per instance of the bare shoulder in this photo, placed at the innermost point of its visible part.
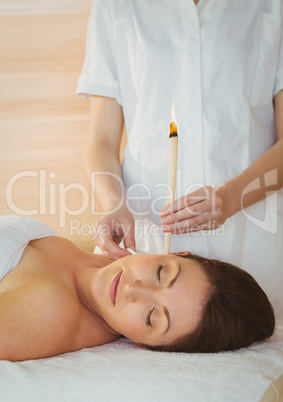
(38, 318)
(42, 318)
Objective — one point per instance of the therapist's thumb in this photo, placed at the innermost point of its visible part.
(129, 238)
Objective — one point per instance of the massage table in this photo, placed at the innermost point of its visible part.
(123, 371)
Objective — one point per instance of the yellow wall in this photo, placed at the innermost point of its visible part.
(43, 124)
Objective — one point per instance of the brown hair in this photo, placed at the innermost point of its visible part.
(236, 313)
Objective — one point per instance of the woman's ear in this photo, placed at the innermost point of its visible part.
(183, 253)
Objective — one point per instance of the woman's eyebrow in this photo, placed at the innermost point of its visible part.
(175, 278)
(166, 312)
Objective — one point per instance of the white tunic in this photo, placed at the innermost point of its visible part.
(222, 61)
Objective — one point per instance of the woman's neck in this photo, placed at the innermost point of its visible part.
(84, 277)
(84, 281)
(81, 267)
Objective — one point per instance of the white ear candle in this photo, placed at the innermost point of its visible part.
(135, 253)
(173, 156)
(131, 251)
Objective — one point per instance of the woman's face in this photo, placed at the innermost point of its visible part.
(151, 299)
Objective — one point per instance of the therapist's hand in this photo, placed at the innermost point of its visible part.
(203, 209)
(111, 229)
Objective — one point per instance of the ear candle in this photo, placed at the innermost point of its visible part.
(131, 251)
(173, 154)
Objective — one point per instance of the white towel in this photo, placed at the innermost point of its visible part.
(123, 372)
(15, 234)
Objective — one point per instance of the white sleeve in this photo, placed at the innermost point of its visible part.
(99, 75)
(279, 75)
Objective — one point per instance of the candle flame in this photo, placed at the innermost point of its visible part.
(173, 124)
(173, 118)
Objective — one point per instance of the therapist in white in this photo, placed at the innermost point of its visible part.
(222, 62)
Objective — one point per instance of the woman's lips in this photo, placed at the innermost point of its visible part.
(113, 287)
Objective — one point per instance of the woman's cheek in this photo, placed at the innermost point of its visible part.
(133, 324)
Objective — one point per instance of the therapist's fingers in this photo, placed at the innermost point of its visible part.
(187, 201)
(195, 224)
(204, 207)
(112, 250)
(113, 228)
(188, 212)
(129, 238)
(108, 242)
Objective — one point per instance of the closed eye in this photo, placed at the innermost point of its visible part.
(147, 321)
(158, 272)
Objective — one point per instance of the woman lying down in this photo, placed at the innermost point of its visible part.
(57, 298)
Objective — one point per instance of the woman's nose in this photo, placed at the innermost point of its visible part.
(136, 290)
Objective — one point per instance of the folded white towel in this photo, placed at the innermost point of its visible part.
(15, 234)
